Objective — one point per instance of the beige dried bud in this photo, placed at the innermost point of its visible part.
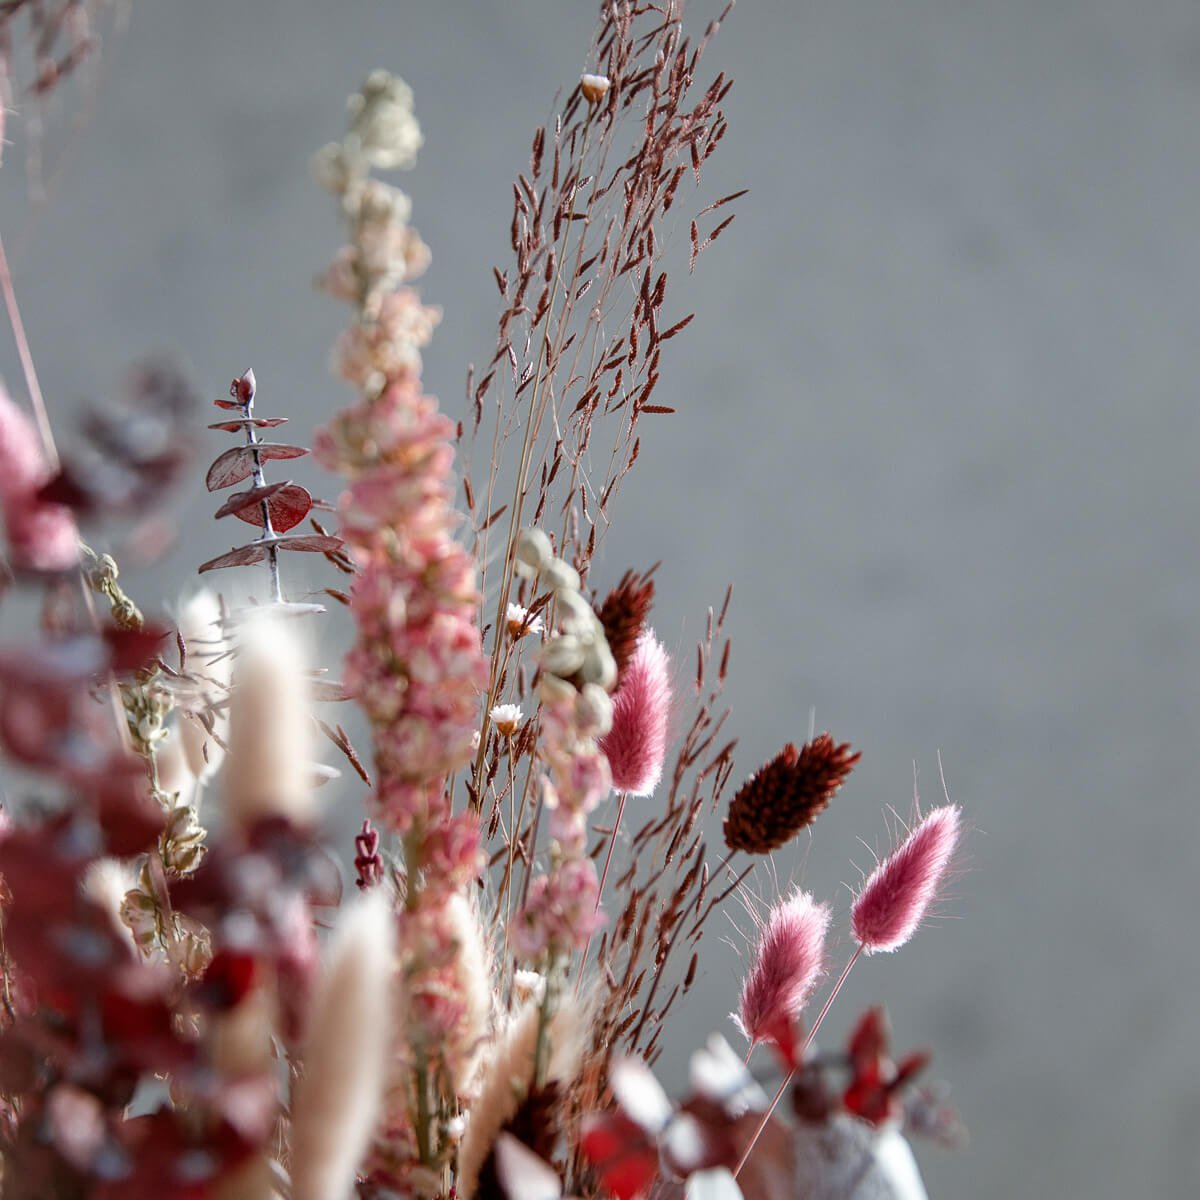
(594, 87)
(139, 914)
(181, 843)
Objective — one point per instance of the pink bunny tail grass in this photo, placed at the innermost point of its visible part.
(789, 959)
(893, 901)
(637, 743)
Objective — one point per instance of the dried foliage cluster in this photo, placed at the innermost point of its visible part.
(483, 1019)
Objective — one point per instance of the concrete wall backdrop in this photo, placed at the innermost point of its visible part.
(937, 421)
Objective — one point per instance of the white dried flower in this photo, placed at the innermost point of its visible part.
(519, 621)
(594, 87)
(506, 718)
(528, 985)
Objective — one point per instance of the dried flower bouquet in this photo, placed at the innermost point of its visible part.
(533, 872)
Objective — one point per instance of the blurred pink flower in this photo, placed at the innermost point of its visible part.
(41, 536)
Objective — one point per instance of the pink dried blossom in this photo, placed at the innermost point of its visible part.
(637, 743)
(788, 961)
(893, 901)
(41, 536)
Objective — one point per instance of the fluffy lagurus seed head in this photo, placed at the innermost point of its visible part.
(787, 794)
(788, 961)
(893, 901)
(637, 742)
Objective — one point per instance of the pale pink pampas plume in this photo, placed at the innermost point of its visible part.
(637, 742)
(267, 766)
(339, 1098)
(789, 959)
(41, 536)
(888, 910)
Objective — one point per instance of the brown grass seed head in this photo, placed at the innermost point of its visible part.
(787, 794)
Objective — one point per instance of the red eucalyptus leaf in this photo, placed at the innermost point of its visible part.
(240, 500)
(311, 543)
(238, 463)
(228, 404)
(288, 504)
(243, 556)
(242, 422)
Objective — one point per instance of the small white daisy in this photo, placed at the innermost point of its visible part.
(520, 622)
(506, 718)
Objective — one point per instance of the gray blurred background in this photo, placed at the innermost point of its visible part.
(937, 422)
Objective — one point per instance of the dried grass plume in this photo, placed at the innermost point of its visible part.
(337, 1101)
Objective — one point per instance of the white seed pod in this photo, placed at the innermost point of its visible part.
(599, 666)
(561, 576)
(563, 655)
(575, 614)
(593, 711)
(534, 550)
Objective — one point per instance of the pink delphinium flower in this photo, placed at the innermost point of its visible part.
(788, 961)
(637, 742)
(893, 901)
(41, 536)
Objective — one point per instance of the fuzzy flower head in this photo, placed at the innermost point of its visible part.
(637, 742)
(894, 900)
(788, 962)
